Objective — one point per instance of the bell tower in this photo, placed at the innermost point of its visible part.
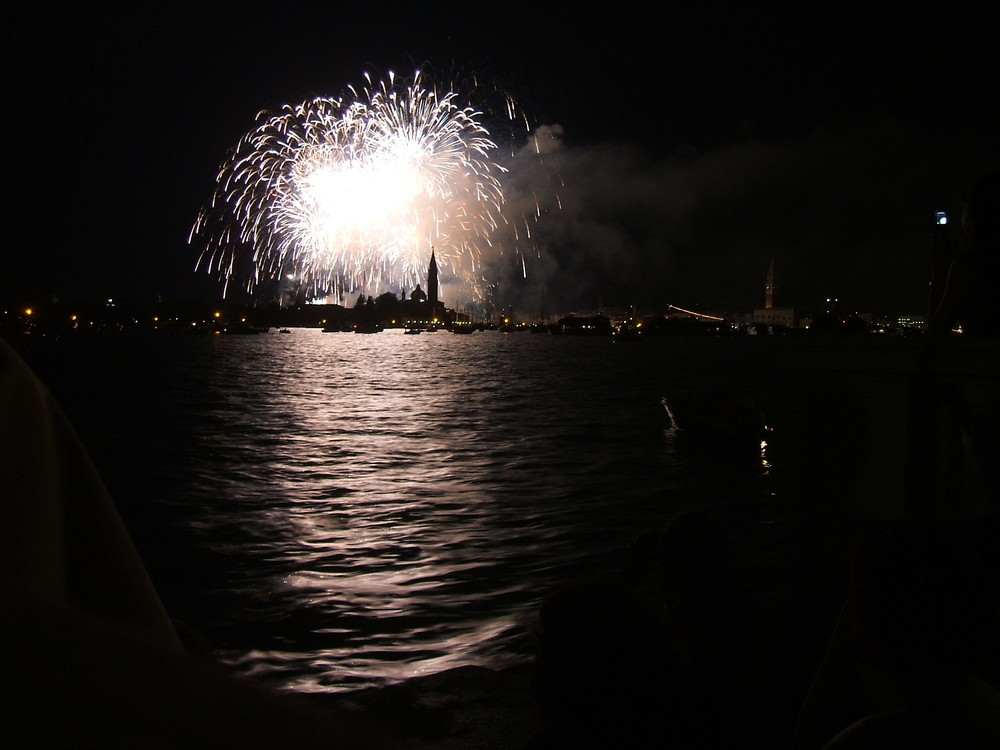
(432, 280)
(769, 287)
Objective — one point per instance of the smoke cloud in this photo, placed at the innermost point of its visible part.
(844, 213)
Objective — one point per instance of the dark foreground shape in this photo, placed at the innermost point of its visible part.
(92, 658)
(466, 708)
(74, 680)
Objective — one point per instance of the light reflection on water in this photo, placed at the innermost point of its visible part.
(341, 510)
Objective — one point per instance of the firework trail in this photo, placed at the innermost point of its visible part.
(350, 193)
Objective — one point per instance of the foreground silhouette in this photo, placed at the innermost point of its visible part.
(92, 658)
(967, 296)
(668, 652)
(905, 667)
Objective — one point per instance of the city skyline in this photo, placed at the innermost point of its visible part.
(687, 157)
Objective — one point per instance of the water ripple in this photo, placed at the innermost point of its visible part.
(337, 511)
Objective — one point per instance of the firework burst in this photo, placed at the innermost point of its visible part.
(349, 193)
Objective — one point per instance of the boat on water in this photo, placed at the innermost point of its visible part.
(242, 329)
(626, 334)
(368, 328)
(717, 415)
(410, 331)
(594, 325)
(462, 329)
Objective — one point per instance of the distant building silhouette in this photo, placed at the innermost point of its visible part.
(769, 315)
(769, 287)
(426, 307)
(432, 280)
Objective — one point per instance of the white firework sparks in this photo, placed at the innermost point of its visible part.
(351, 193)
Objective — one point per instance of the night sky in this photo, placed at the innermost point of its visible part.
(697, 141)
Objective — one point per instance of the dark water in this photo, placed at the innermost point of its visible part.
(335, 511)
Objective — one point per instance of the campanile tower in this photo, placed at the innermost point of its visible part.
(768, 287)
(432, 280)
